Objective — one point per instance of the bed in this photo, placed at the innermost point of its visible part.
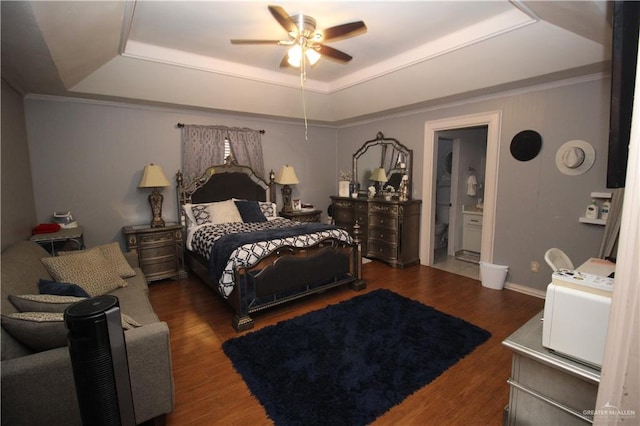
(259, 261)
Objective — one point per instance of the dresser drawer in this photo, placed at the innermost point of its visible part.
(167, 266)
(380, 221)
(361, 208)
(361, 217)
(343, 216)
(384, 209)
(157, 251)
(383, 234)
(343, 204)
(382, 250)
(156, 237)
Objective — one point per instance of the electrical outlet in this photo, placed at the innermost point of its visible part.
(535, 266)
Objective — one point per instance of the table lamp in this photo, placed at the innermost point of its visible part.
(286, 176)
(154, 177)
(380, 176)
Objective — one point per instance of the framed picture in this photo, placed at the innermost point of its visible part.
(297, 205)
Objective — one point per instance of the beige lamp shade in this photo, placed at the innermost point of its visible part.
(287, 176)
(378, 175)
(153, 177)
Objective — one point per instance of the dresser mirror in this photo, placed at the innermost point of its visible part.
(385, 153)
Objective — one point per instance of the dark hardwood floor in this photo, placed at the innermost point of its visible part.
(208, 391)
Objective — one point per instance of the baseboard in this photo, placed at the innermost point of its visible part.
(525, 290)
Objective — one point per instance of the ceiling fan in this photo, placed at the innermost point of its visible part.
(306, 41)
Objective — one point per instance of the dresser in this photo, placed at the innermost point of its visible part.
(390, 230)
(545, 388)
(160, 250)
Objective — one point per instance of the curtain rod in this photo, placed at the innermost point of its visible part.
(181, 125)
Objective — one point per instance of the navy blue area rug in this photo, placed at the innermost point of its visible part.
(349, 363)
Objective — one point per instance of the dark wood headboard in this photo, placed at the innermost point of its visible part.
(223, 182)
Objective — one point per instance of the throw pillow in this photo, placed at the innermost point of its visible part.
(224, 212)
(41, 331)
(113, 253)
(89, 269)
(43, 302)
(201, 214)
(268, 209)
(61, 289)
(250, 211)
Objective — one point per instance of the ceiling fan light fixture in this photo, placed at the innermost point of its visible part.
(312, 55)
(294, 57)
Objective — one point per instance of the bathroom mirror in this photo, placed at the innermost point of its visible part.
(387, 153)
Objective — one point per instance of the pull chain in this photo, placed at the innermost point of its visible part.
(303, 77)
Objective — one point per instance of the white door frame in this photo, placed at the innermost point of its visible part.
(493, 121)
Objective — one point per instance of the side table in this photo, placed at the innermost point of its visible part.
(303, 215)
(160, 250)
(64, 239)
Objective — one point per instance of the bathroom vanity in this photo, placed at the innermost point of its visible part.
(471, 230)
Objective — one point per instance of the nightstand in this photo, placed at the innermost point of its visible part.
(303, 215)
(160, 250)
(65, 239)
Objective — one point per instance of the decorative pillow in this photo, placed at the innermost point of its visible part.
(250, 211)
(224, 212)
(128, 323)
(113, 253)
(43, 302)
(268, 209)
(89, 269)
(201, 214)
(61, 289)
(41, 331)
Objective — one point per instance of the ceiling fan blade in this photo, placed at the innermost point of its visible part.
(250, 41)
(331, 53)
(283, 18)
(343, 31)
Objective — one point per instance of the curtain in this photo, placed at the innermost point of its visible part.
(609, 246)
(202, 146)
(246, 148)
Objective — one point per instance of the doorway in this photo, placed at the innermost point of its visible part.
(492, 122)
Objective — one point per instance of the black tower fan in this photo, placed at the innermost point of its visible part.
(99, 359)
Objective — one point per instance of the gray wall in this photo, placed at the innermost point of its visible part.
(537, 206)
(18, 206)
(88, 158)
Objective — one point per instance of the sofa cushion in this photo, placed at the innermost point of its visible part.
(41, 331)
(61, 289)
(43, 302)
(89, 269)
(113, 254)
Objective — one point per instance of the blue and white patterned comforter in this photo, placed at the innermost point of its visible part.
(200, 239)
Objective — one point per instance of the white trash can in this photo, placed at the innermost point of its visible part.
(493, 276)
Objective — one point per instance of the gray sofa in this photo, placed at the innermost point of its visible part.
(38, 387)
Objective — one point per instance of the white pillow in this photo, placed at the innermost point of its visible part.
(224, 212)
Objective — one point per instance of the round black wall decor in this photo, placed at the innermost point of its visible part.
(526, 145)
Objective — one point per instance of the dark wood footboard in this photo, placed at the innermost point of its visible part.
(288, 274)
